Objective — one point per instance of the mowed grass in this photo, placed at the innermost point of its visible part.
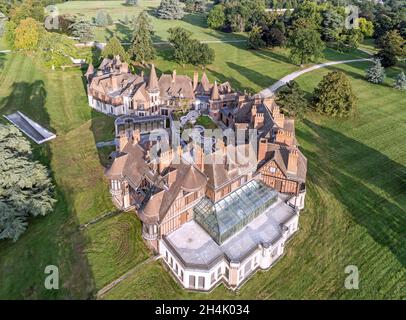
(354, 215)
(196, 23)
(115, 247)
(58, 101)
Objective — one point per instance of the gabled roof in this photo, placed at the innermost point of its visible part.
(238, 159)
(179, 86)
(280, 154)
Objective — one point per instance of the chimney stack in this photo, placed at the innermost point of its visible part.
(292, 161)
(262, 149)
(136, 136)
(121, 141)
(199, 156)
(114, 82)
(259, 121)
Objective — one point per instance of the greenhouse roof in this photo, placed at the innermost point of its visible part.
(229, 215)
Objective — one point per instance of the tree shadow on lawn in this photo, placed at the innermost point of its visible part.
(57, 238)
(2, 60)
(258, 78)
(123, 32)
(383, 217)
(28, 98)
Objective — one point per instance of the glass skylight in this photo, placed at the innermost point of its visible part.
(229, 215)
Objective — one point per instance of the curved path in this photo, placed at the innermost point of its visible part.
(270, 91)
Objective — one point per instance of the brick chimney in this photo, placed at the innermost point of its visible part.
(198, 157)
(262, 148)
(259, 121)
(284, 137)
(136, 136)
(114, 82)
(292, 161)
(165, 159)
(121, 142)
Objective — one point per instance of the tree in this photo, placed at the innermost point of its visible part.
(170, 9)
(376, 73)
(201, 54)
(291, 99)
(195, 5)
(387, 57)
(180, 39)
(27, 34)
(56, 49)
(10, 33)
(274, 37)
(332, 24)
(114, 48)
(400, 82)
(366, 27)
(255, 38)
(109, 20)
(216, 18)
(82, 29)
(25, 187)
(3, 21)
(304, 42)
(393, 42)
(309, 11)
(142, 48)
(187, 50)
(334, 95)
(27, 9)
(131, 2)
(101, 19)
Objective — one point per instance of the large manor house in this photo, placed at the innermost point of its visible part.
(214, 215)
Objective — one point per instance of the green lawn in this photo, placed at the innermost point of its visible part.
(196, 23)
(206, 122)
(114, 247)
(58, 101)
(354, 215)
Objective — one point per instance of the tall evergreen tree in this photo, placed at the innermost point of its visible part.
(25, 186)
(170, 9)
(142, 48)
(376, 73)
(114, 48)
(291, 98)
(334, 95)
(400, 82)
(101, 18)
(82, 29)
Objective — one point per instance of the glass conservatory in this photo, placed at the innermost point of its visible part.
(229, 215)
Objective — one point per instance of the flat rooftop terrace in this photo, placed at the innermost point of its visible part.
(196, 248)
